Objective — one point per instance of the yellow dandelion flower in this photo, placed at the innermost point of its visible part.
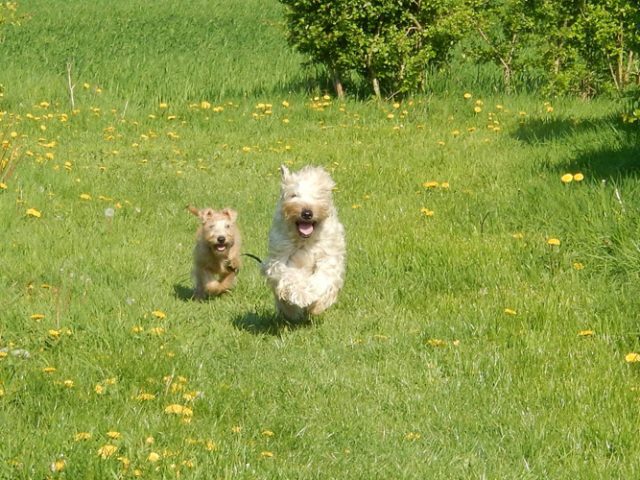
(3, 186)
(125, 462)
(467, 96)
(518, 235)
(431, 184)
(477, 109)
(632, 357)
(578, 177)
(85, 196)
(32, 212)
(204, 105)
(107, 451)
(578, 266)
(99, 389)
(554, 242)
(37, 316)
(586, 333)
(137, 329)
(114, 435)
(4, 354)
(163, 105)
(566, 178)
(267, 433)
(285, 104)
(159, 314)
(435, 342)
(153, 457)
(266, 454)
(211, 446)
(549, 109)
(144, 397)
(176, 409)
(68, 383)
(510, 311)
(58, 465)
(55, 333)
(81, 436)
(390, 116)
(236, 429)
(49, 369)
(412, 436)
(426, 212)
(157, 331)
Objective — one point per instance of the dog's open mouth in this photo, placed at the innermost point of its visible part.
(220, 247)
(305, 229)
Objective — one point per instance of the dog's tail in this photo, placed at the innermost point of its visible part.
(256, 258)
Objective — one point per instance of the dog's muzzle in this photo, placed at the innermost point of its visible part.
(220, 244)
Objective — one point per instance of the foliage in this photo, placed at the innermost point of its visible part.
(579, 47)
(388, 42)
(502, 33)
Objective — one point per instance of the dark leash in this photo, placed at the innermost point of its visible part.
(257, 259)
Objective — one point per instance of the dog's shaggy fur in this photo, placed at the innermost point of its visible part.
(216, 256)
(307, 249)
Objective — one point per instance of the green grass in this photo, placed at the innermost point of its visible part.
(417, 371)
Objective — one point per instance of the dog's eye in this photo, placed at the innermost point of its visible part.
(227, 226)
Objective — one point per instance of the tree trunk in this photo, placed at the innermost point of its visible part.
(376, 86)
(337, 85)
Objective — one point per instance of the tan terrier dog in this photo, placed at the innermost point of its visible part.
(216, 256)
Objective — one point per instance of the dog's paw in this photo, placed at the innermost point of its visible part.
(301, 297)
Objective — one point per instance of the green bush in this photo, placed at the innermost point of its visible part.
(577, 47)
(389, 43)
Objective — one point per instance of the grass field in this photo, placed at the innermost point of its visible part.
(490, 310)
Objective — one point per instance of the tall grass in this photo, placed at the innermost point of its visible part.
(464, 344)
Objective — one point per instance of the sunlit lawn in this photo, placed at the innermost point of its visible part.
(487, 328)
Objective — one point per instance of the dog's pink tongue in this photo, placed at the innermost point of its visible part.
(305, 228)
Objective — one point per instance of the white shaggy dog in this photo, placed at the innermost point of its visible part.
(306, 263)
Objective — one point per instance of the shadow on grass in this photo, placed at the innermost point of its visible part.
(267, 324)
(617, 155)
(183, 292)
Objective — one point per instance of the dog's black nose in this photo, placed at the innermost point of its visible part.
(306, 214)
(221, 239)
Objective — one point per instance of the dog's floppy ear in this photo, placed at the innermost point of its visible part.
(232, 214)
(203, 214)
(193, 210)
(284, 172)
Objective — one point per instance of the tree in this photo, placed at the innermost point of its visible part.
(390, 43)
